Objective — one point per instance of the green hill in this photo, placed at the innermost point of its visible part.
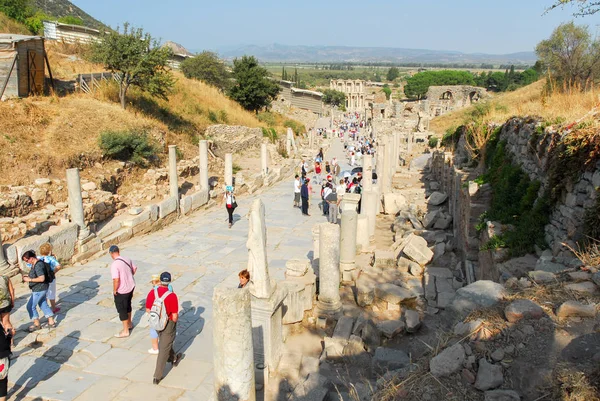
(64, 8)
(8, 25)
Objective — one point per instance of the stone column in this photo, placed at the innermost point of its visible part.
(267, 297)
(233, 352)
(395, 164)
(264, 159)
(204, 165)
(228, 169)
(288, 143)
(348, 236)
(329, 303)
(173, 186)
(315, 258)
(76, 202)
(367, 181)
(409, 144)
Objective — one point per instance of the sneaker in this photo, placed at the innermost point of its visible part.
(177, 359)
(153, 351)
(155, 381)
(56, 310)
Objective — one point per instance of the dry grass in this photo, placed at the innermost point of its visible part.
(526, 101)
(574, 385)
(588, 255)
(8, 25)
(42, 136)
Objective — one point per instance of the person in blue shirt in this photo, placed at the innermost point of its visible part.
(46, 256)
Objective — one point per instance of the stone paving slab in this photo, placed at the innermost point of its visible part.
(201, 252)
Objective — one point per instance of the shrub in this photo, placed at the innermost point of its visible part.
(212, 116)
(297, 127)
(433, 141)
(497, 241)
(133, 146)
(267, 117)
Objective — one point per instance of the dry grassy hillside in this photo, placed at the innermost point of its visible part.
(44, 135)
(8, 25)
(526, 101)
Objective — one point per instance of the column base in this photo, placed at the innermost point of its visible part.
(328, 309)
(346, 270)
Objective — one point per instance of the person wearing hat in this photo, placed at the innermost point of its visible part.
(122, 270)
(230, 203)
(166, 337)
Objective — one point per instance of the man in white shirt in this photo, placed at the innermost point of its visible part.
(297, 191)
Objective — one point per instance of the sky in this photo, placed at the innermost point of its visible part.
(470, 26)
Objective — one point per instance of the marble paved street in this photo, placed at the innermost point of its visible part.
(81, 360)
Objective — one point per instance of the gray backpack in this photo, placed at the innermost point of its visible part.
(158, 313)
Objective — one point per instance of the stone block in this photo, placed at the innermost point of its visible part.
(385, 259)
(199, 199)
(387, 359)
(393, 203)
(137, 220)
(109, 228)
(154, 210)
(540, 276)
(417, 250)
(343, 328)
(134, 211)
(575, 309)
(430, 219)
(523, 309)
(392, 293)
(586, 287)
(166, 207)
(447, 362)
(413, 321)
(296, 267)
(117, 238)
(63, 239)
(442, 223)
(482, 293)
(293, 304)
(14, 252)
(489, 376)
(437, 198)
(365, 288)
(391, 328)
(185, 205)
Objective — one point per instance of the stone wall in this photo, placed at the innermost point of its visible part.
(233, 138)
(531, 151)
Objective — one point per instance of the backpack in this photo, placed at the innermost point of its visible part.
(49, 275)
(158, 313)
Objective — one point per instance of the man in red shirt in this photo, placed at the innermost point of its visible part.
(166, 337)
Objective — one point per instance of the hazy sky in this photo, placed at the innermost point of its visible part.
(472, 26)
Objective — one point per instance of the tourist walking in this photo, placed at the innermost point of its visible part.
(297, 186)
(304, 194)
(46, 256)
(230, 203)
(122, 271)
(5, 352)
(153, 333)
(7, 302)
(163, 307)
(38, 279)
(334, 203)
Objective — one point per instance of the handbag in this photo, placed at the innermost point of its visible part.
(234, 203)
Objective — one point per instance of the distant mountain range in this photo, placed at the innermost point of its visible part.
(347, 54)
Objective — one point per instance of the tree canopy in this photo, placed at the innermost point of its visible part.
(252, 88)
(393, 73)
(207, 67)
(571, 56)
(137, 58)
(333, 97)
(417, 85)
(586, 7)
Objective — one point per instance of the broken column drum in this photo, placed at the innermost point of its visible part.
(315, 258)
(76, 202)
(329, 303)
(233, 352)
(348, 235)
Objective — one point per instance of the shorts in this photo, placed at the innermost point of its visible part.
(51, 294)
(123, 304)
(153, 333)
(6, 309)
(297, 197)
